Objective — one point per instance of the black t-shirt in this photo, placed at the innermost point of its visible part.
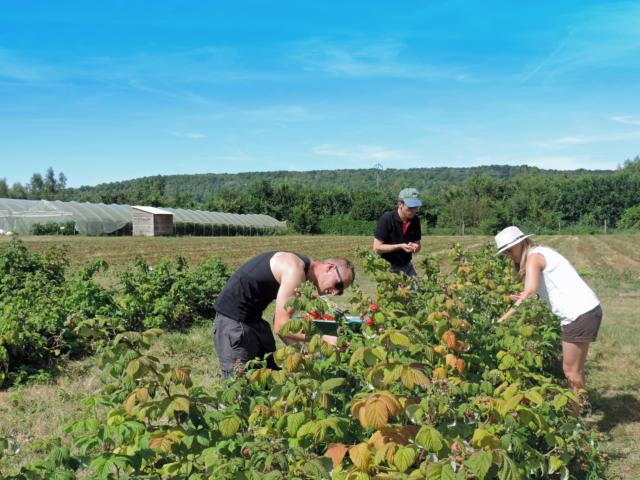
(251, 289)
(389, 231)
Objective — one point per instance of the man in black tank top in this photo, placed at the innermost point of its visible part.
(239, 331)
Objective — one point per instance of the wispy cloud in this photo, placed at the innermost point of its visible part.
(188, 135)
(569, 141)
(626, 120)
(15, 68)
(599, 37)
(367, 58)
(359, 153)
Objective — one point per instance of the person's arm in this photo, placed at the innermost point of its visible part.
(380, 247)
(535, 264)
(291, 275)
(290, 270)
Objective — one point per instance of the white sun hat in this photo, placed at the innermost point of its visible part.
(509, 237)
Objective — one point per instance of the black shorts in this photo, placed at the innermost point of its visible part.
(584, 328)
(236, 343)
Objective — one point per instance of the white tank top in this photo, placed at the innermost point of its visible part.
(562, 288)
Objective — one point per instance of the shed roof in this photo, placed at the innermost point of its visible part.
(153, 210)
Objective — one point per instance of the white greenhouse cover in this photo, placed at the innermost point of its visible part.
(19, 216)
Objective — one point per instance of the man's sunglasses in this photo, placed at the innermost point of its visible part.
(339, 286)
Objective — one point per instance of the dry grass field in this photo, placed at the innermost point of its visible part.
(35, 412)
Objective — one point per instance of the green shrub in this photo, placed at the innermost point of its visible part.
(54, 228)
(431, 388)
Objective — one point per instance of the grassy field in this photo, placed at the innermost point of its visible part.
(611, 265)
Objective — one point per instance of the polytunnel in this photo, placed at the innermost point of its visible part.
(22, 216)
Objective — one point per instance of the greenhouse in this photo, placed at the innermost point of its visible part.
(28, 217)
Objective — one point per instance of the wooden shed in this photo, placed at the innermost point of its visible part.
(151, 221)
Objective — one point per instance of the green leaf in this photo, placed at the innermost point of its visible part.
(559, 401)
(479, 463)
(59, 456)
(438, 471)
(430, 439)
(308, 428)
(400, 339)
(534, 397)
(179, 403)
(315, 469)
(331, 384)
(229, 426)
(508, 468)
(404, 458)
(555, 464)
(294, 422)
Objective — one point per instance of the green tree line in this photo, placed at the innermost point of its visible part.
(457, 200)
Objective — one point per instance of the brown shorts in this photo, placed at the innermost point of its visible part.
(584, 328)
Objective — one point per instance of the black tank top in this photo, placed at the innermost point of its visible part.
(251, 289)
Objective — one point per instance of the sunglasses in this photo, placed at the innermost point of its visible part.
(339, 286)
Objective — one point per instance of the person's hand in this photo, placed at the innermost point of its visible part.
(517, 296)
(503, 318)
(413, 246)
(330, 339)
(407, 247)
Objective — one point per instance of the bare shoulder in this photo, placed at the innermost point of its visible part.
(537, 260)
(286, 263)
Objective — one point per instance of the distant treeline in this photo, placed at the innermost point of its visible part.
(457, 200)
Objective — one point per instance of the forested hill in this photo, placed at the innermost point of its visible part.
(430, 181)
(478, 199)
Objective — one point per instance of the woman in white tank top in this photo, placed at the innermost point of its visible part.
(550, 275)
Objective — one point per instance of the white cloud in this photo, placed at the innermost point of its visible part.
(188, 135)
(626, 120)
(569, 141)
(367, 58)
(565, 162)
(364, 153)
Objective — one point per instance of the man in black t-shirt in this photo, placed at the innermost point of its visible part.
(239, 331)
(398, 233)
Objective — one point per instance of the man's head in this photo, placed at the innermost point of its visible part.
(408, 203)
(336, 274)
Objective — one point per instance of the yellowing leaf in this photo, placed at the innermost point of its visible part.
(292, 362)
(413, 376)
(385, 453)
(375, 414)
(484, 439)
(391, 402)
(161, 443)
(181, 376)
(336, 452)
(360, 456)
(133, 368)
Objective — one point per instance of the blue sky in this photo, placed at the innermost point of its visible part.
(113, 90)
